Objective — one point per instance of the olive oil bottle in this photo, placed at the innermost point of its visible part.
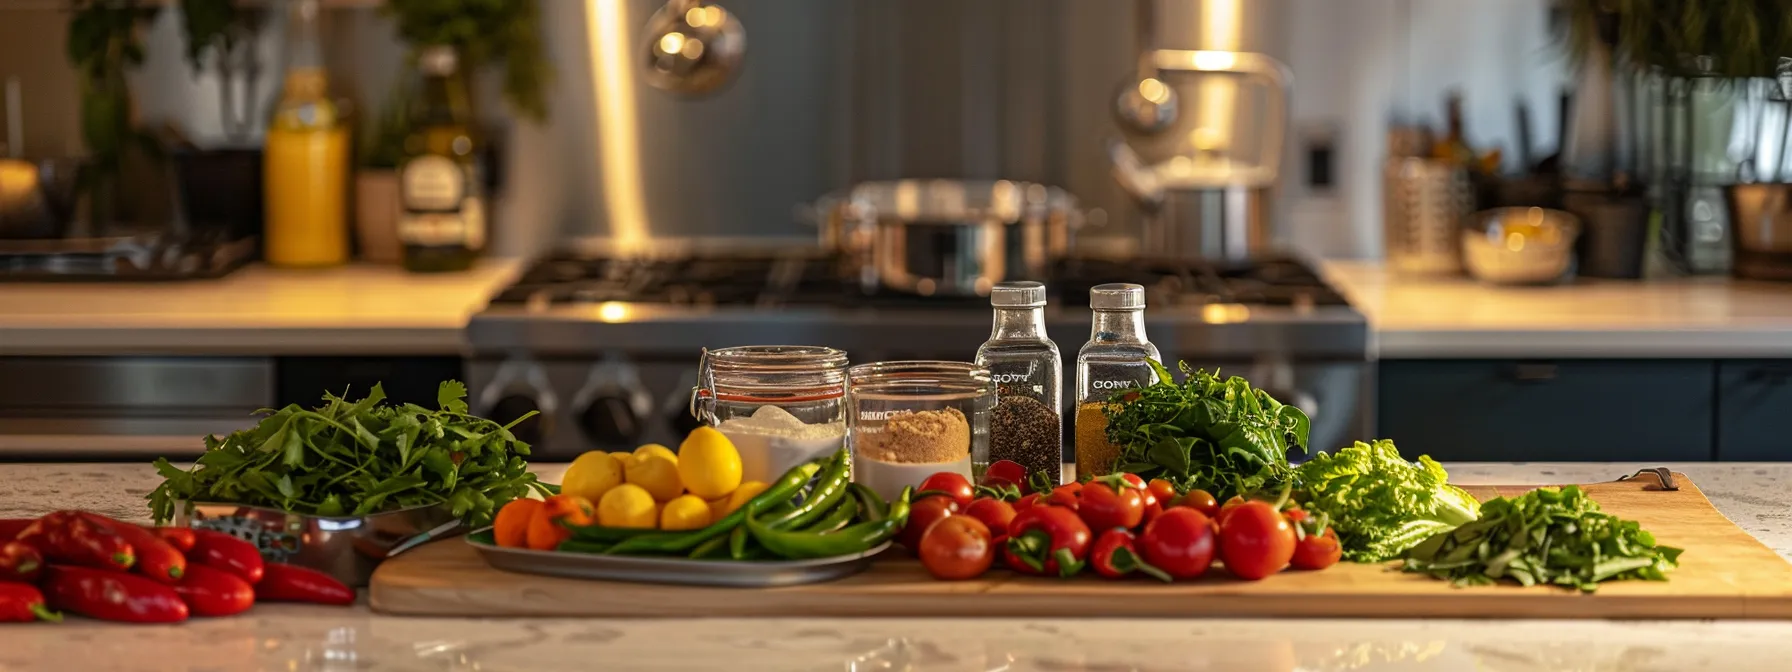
(442, 218)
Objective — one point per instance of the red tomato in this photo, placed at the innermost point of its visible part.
(1317, 551)
(1047, 540)
(1179, 542)
(1153, 509)
(952, 483)
(1105, 508)
(993, 513)
(1255, 540)
(1226, 510)
(1005, 472)
(1163, 491)
(1134, 480)
(957, 548)
(1201, 500)
(923, 514)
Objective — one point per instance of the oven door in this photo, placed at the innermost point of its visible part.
(100, 408)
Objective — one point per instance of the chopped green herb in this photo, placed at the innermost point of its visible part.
(1547, 536)
(357, 458)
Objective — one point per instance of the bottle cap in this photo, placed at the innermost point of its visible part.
(1020, 294)
(1117, 296)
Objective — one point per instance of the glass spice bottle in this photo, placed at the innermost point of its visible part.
(1113, 361)
(1026, 425)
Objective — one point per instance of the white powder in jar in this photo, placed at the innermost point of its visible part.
(771, 441)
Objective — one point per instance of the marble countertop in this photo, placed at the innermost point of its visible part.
(358, 309)
(292, 637)
(1458, 317)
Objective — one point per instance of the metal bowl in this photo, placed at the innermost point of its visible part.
(1520, 246)
(346, 547)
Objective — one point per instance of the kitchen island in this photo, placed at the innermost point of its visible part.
(324, 638)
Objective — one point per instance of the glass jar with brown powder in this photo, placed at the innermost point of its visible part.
(910, 420)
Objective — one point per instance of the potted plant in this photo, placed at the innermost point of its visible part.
(104, 42)
(221, 184)
(484, 33)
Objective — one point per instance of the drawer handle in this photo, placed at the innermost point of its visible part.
(1533, 373)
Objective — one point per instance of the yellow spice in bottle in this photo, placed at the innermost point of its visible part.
(1094, 454)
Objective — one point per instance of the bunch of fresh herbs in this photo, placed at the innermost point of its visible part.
(1547, 536)
(358, 458)
(1379, 503)
(1219, 435)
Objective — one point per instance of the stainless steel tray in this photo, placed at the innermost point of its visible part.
(728, 573)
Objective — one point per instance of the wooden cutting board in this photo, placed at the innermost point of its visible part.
(1725, 573)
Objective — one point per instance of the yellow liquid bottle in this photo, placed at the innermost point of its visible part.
(305, 170)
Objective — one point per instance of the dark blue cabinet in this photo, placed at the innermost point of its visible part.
(1560, 410)
(1754, 401)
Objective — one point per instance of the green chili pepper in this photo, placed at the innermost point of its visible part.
(850, 541)
(871, 506)
(607, 534)
(579, 546)
(682, 542)
(714, 549)
(827, 492)
(839, 517)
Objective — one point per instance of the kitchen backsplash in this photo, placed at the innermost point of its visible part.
(833, 93)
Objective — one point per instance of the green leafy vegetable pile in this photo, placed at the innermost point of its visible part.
(1218, 435)
(1379, 503)
(1547, 536)
(357, 458)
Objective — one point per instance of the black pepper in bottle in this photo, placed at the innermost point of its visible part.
(1026, 425)
(1114, 361)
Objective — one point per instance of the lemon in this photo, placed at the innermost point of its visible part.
(656, 449)
(627, 505)
(718, 508)
(621, 459)
(708, 463)
(655, 473)
(689, 512)
(739, 498)
(591, 475)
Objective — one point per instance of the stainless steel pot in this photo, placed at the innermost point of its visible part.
(949, 237)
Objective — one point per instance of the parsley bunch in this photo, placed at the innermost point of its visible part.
(357, 458)
(1219, 435)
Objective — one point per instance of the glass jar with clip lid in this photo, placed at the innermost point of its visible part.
(780, 405)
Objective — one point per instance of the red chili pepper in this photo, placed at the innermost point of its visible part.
(11, 527)
(209, 591)
(156, 559)
(288, 583)
(23, 603)
(1026, 502)
(20, 562)
(1116, 554)
(181, 538)
(1046, 540)
(112, 596)
(217, 549)
(64, 537)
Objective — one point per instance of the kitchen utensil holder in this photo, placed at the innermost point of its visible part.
(1425, 201)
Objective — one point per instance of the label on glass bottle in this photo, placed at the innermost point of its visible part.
(437, 210)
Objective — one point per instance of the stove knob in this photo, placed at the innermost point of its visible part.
(511, 407)
(611, 421)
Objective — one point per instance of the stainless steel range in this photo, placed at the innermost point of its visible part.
(606, 347)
